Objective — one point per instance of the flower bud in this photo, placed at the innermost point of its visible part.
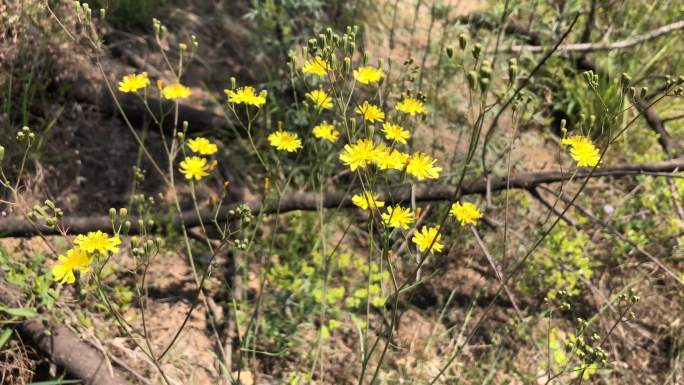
(625, 79)
(112, 213)
(346, 66)
(477, 50)
(185, 125)
(632, 92)
(472, 79)
(2, 153)
(484, 84)
(127, 227)
(233, 83)
(183, 46)
(563, 126)
(643, 92)
(463, 41)
(103, 13)
(450, 52)
(123, 212)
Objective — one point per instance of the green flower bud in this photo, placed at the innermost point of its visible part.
(477, 50)
(643, 92)
(625, 79)
(450, 52)
(103, 13)
(112, 213)
(123, 212)
(233, 83)
(2, 153)
(346, 66)
(463, 41)
(472, 79)
(632, 92)
(484, 84)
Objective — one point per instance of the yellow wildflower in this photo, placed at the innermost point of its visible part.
(582, 150)
(194, 167)
(326, 131)
(368, 75)
(75, 259)
(316, 66)
(320, 99)
(97, 242)
(422, 166)
(247, 95)
(386, 159)
(175, 91)
(367, 199)
(202, 146)
(359, 154)
(134, 82)
(428, 239)
(395, 132)
(411, 106)
(285, 141)
(398, 216)
(370, 112)
(466, 213)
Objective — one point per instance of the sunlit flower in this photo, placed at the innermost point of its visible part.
(326, 131)
(395, 132)
(465, 212)
(285, 141)
(134, 82)
(359, 154)
(411, 106)
(370, 112)
(367, 199)
(422, 166)
(202, 146)
(97, 242)
(75, 259)
(428, 239)
(368, 75)
(247, 95)
(316, 66)
(582, 150)
(175, 91)
(320, 99)
(194, 167)
(385, 158)
(397, 216)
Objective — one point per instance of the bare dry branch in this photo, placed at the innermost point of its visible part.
(307, 201)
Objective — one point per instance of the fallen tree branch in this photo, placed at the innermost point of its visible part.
(63, 346)
(606, 46)
(306, 201)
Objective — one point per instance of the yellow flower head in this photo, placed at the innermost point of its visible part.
(386, 159)
(194, 167)
(97, 242)
(582, 150)
(326, 131)
(359, 154)
(320, 99)
(397, 216)
(134, 82)
(368, 75)
(316, 66)
(175, 91)
(367, 199)
(465, 212)
(285, 141)
(426, 237)
(395, 132)
(411, 106)
(247, 95)
(370, 112)
(75, 259)
(423, 166)
(202, 146)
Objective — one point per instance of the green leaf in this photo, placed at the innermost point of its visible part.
(56, 382)
(4, 336)
(26, 312)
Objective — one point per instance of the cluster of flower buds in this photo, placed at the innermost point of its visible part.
(48, 212)
(26, 134)
(242, 212)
